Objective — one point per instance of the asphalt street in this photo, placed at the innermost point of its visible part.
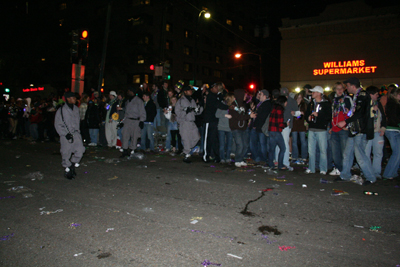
(159, 211)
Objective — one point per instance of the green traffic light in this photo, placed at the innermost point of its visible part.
(7, 90)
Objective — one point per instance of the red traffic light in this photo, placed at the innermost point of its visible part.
(151, 67)
(102, 90)
(252, 86)
(84, 34)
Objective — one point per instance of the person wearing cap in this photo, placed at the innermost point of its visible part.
(290, 110)
(186, 109)
(135, 115)
(66, 122)
(111, 120)
(318, 115)
(359, 133)
(308, 93)
(258, 140)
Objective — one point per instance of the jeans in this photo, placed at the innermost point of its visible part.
(225, 145)
(258, 146)
(241, 148)
(93, 135)
(319, 138)
(147, 132)
(276, 139)
(286, 136)
(376, 145)
(157, 118)
(339, 140)
(33, 129)
(303, 145)
(355, 146)
(394, 161)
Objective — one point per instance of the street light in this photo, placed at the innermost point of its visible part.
(207, 15)
(239, 55)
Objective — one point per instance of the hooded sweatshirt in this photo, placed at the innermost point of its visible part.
(240, 117)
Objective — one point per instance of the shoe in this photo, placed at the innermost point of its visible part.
(68, 174)
(334, 172)
(308, 171)
(77, 165)
(186, 159)
(322, 172)
(368, 183)
(290, 169)
(72, 168)
(238, 164)
(125, 153)
(243, 164)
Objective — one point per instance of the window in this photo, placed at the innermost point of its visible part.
(60, 22)
(217, 59)
(136, 79)
(187, 67)
(217, 73)
(188, 34)
(146, 39)
(140, 59)
(168, 45)
(63, 6)
(229, 22)
(146, 78)
(187, 50)
(168, 27)
(240, 28)
(140, 2)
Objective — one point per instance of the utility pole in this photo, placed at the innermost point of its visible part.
(103, 55)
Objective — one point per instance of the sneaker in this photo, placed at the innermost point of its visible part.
(243, 164)
(368, 183)
(68, 174)
(334, 172)
(308, 171)
(77, 165)
(290, 169)
(355, 177)
(186, 159)
(322, 172)
(238, 164)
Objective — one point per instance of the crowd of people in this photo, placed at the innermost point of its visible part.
(333, 133)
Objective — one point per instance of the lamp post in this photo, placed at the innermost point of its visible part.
(207, 15)
(239, 55)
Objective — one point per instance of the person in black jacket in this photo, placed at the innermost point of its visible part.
(318, 115)
(212, 103)
(148, 129)
(359, 133)
(92, 118)
(258, 140)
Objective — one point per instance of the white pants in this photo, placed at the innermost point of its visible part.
(286, 134)
(111, 133)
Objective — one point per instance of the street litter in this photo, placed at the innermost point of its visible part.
(269, 229)
(203, 232)
(278, 180)
(272, 185)
(282, 177)
(141, 167)
(27, 195)
(268, 189)
(19, 189)
(267, 239)
(7, 182)
(194, 221)
(202, 181)
(324, 181)
(18, 156)
(49, 212)
(357, 180)
(113, 160)
(358, 226)
(285, 248)
(375, 228)
(28, 165)
(113, 178)
(34, 176)
(148, 210)
(42, 208)
(74, 225)
(304, 185)
(207, 262)
(336, 192)
(91, 161)
(322, 190)
(289, 184)
(7, 197)
(237, 257)
(371, 193)
(104, 255)
(78, 254)
(137, 156)
(196, 218)
(109, 229)
(218, 171)
(6, 237)
(212, 166)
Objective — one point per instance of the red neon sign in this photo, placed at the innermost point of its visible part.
(345, 67)
(34, 89)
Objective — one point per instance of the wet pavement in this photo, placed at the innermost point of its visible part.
(159, 211)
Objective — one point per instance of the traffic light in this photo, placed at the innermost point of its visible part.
(83, 44)
(7, 90)
(102, 90)
(74, 45)
(151, 67)
(166, 67)
(252, 86)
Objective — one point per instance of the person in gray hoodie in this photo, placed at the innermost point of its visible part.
(224, 131)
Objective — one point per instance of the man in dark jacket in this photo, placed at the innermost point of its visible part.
(359, 133)
(258, 140)
(318, 115)
(212, 103)
(148, 128)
